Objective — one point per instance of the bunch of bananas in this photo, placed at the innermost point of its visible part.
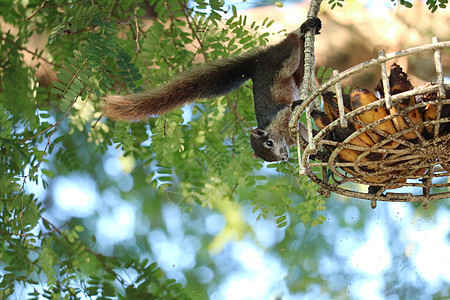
(376, 146)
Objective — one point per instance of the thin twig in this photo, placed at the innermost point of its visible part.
(97, 255)
(238, 115)
(54, 126)
(194, 32)
(29, 51)
(138, 48)
(40, 57)
(113, 6)
(40, 7)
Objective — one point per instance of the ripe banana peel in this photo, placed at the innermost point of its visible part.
(430, 115)
(322, 120)
(331, 108)
(399, 83)
(362, 97)
(400, 123)
(429, 112)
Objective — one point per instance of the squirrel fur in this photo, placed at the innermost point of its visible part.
(276, 72)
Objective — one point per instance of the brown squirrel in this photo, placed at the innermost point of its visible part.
(276, 72)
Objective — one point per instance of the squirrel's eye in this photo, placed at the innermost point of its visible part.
(269, 143)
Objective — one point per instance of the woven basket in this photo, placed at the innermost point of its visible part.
(421, 166)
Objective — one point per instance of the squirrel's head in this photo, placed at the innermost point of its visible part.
(269, 145)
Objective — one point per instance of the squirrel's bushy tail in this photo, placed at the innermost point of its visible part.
(204, 81)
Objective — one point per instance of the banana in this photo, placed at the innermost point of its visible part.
(399, 82)
(350, 155)
(342, 133)
(373, 189)
(430, 115)
(329, 111)
(429, 112)
(331, 108)
(364, 136)
(330, 97)
(361, 97)
(330, 105)
(400, 123)
(322, 120)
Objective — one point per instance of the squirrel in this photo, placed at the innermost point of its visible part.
(276, 72)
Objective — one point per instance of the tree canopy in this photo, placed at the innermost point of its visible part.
(96, 209)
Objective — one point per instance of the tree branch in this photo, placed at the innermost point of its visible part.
(35, 12)
(308, 81)
(98, 256)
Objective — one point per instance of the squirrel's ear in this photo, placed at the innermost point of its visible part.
(303, 132)
(257, 132)
(255, 156)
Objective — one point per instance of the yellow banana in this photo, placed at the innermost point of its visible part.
(364, 136)
(430, 115)
(399, 82)
(330, 105)
(361, 97)
(331, 108)
(400, 123)
(322, 120)
(429, 112)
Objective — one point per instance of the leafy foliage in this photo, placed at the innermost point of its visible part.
(335, 3)
(92, 55)
(196, 157)
(432, 5)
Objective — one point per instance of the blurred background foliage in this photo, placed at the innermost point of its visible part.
(174, 207)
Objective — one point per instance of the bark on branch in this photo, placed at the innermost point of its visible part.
(308, 81)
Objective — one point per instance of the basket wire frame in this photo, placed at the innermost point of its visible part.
(403, 162)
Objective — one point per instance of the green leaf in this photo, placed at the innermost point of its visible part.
(59, 85)
(48, 173)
